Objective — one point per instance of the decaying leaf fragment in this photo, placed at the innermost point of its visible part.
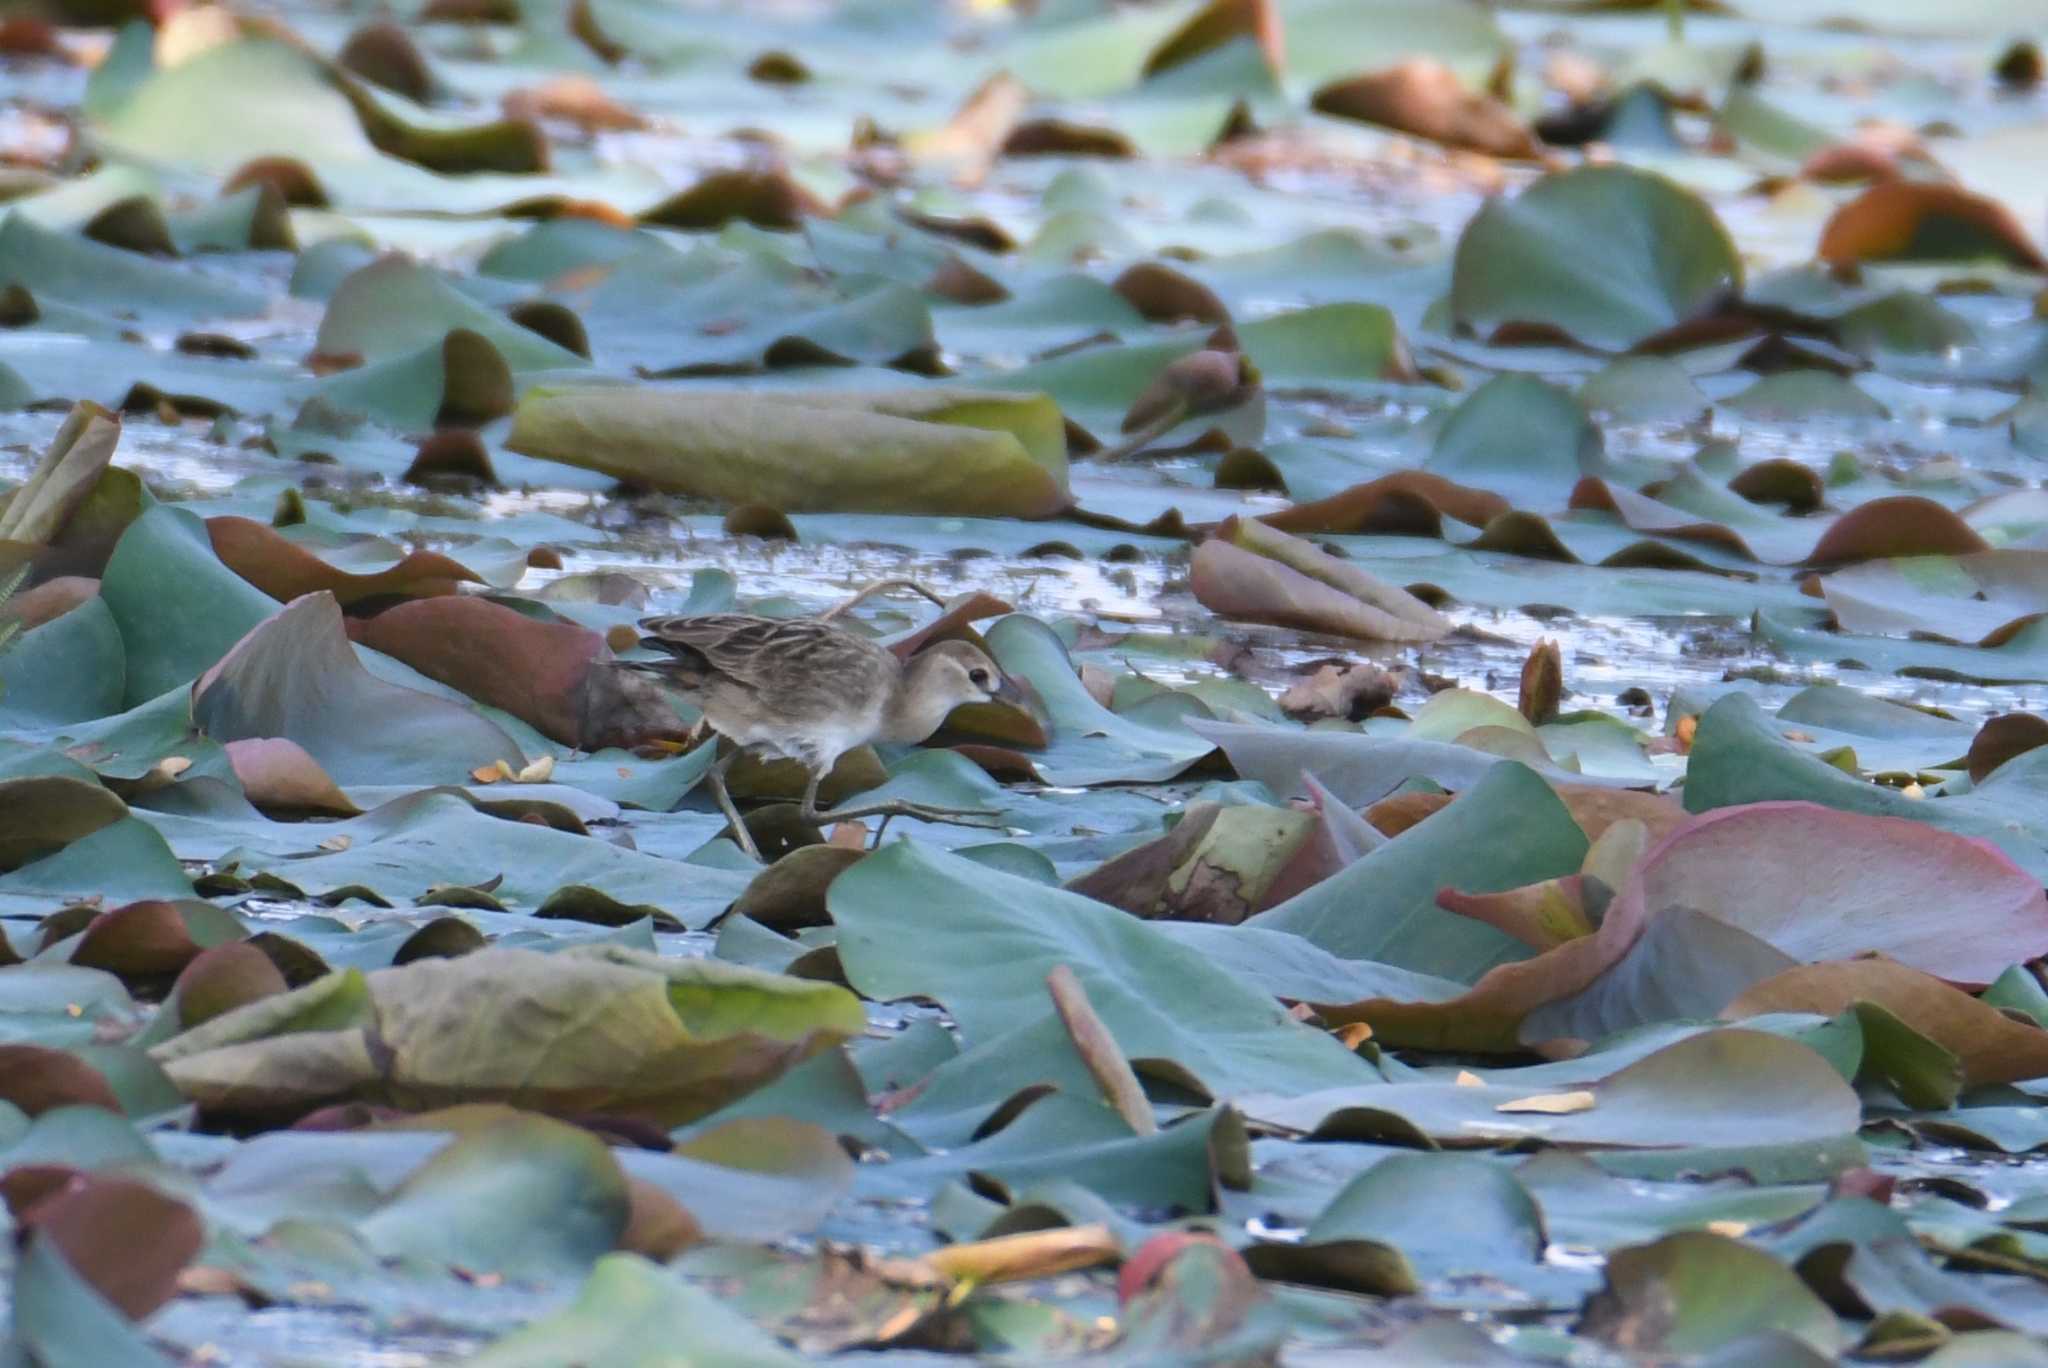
(1251, 571)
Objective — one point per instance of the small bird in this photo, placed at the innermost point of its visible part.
(811, 691)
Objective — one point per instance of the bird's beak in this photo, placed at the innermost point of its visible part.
(1010, 693)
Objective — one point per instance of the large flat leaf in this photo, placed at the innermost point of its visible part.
(987, 955)
(634, 1314)
(1087, 743)
(525, 1196)
(596, 1030)
(1606, 255)
(1739, 757)
(935, 451)
(296, 676)
(1707, 1089)
(1508, 829)
(179, 609)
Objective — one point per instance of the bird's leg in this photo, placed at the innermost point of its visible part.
(809, 808)
(723, 796)
(924, 812)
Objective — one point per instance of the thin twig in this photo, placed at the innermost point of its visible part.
(869, 591)
(1172, 417)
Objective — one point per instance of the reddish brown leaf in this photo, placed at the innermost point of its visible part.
(573, 99)
(1220, 22)
(766, 199)
(1405, 502)
(1992, 1046)
(1165, 295)
(284, 570)
(549, 674)
(1099, 1051)
(1059, 138)
(2002, 738)
(1925, 221)
(49, 600)
(1542, 684)
(955, 622)
(1902, 525)
(1256, 573)
(36, 1079)
(278, 775)
(1539, 915)
(1424, 97)
(1781, 481)
(1815, 883)
(657, 1225)
(125, 1238)
(222, 978)
(294, 183)
(142, 940)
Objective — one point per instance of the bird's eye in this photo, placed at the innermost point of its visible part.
(979, 678)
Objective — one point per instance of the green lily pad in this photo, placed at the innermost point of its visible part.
(1606, 255)
(1240, 1038)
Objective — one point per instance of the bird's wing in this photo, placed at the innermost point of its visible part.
(772, 654)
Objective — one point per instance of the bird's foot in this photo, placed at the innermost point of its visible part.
(985, 818)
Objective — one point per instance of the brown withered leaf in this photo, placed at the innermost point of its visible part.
(1165, 295)
(127, 1240)
(222, 978)
(555, 676)
(1542, 686)
(1354, 691)
(49, 600)
(138, 942)
(1059, 138)
(285, 570)
(1099, 1051)
(1407, 502)
(1992, 1046)
(1595, 809)
(1899, 525)
(2001, 738)
(1257, 573)
(385, 55)
(35, 1079)
(277, 775)
(790, 894)
(969, 142)
(575, 100)
(1424, 97)
(1925, 221)
(1220, 22)
(765, 198)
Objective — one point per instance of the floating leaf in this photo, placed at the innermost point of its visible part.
(924, 452)
(1904, 220)
(606, 1030)
(1249, 570)
(295, 677)
(1605, 255)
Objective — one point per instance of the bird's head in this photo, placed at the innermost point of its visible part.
(953, 673)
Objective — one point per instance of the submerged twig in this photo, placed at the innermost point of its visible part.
(879, 586)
